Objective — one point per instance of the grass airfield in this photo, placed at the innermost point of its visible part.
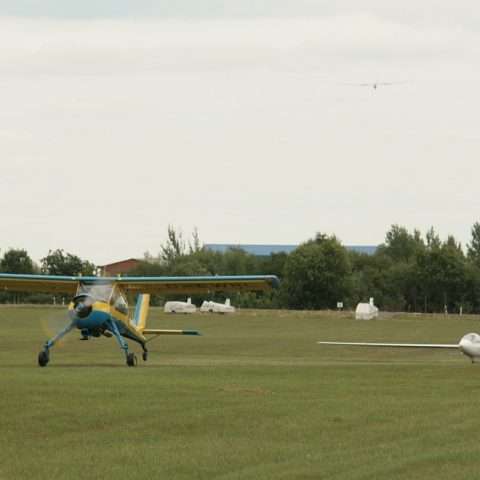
(253, 398)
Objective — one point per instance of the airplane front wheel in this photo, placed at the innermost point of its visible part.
(43, 358)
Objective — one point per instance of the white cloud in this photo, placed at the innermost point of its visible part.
(112, 129)
(108, 46)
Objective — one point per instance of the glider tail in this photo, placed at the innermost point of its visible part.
(139, 320)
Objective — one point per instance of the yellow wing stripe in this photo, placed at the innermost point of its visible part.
(38, 285)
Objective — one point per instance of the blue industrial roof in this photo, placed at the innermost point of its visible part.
(367, 249)
(265, 250)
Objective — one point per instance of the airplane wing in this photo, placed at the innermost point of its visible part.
(372, 84)
(38, 283)
(199, 284)
(404, 345)
(391, 83)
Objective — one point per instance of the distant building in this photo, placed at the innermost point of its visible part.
(265, 250)
(119, 268)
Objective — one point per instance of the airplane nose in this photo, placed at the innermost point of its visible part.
(82, 307)
(82, 310)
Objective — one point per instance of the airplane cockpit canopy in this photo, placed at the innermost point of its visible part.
(472, 337)
(119, 302)
(98, 291)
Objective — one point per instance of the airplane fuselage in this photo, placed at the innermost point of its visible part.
(97, 318)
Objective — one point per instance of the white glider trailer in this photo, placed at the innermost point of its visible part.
(180, 307)
(217, 307)
(366, 311)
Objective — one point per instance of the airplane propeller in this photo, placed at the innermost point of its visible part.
(53, 321)
(82, 305)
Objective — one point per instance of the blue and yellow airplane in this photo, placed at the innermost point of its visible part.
(99, 304)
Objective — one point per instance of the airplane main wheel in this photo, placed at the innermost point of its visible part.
(43, 358)
(131, 360)
(145, 356)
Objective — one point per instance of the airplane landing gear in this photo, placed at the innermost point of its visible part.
(44, 355)
(131, 360)
(43, 358)
(145, 352)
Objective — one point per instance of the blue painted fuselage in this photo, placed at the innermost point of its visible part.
(101, 318)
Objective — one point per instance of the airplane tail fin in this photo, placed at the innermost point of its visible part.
(139, 320)
(227, 302)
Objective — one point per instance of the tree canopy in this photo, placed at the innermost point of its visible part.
(57, 262)
(316, 274)
(16, 261)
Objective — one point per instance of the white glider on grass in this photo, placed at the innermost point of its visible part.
(469, 345)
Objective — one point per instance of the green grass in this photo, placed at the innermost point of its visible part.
(254, 398)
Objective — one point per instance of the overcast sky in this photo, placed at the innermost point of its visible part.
(242, 118)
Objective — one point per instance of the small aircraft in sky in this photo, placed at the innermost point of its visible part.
(469, 345)
(373, 85)
(99, 304)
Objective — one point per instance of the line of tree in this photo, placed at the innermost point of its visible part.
(408, 272)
